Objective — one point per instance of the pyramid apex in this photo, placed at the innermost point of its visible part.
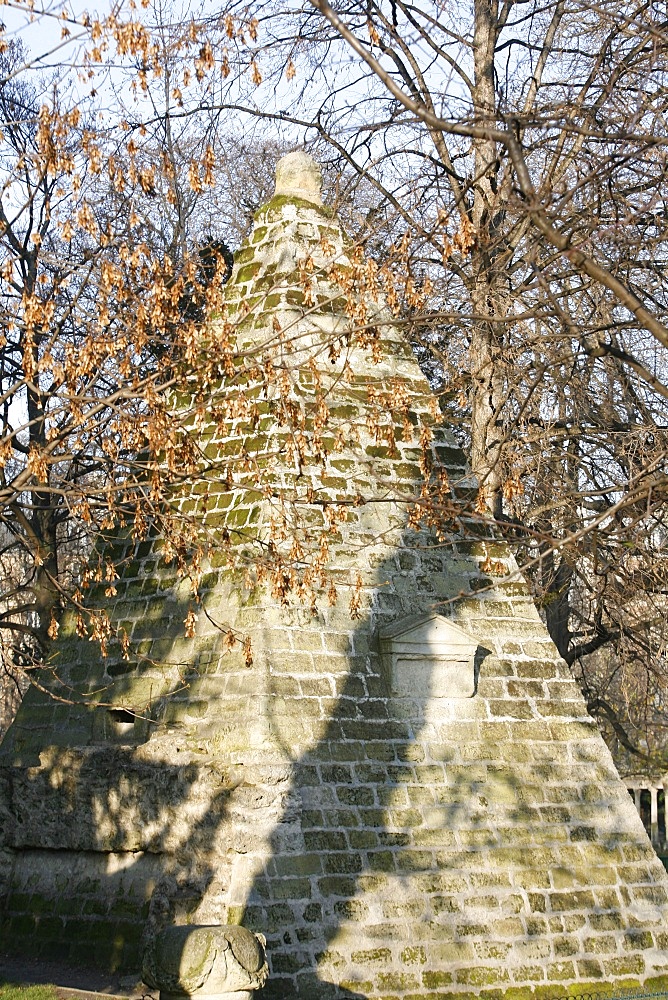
(298, 174)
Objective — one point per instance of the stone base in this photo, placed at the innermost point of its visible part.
(207, 961)
(239, 995)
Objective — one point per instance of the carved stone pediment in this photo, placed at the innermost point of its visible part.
(428, 656)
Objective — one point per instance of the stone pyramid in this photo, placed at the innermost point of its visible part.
(403, 790)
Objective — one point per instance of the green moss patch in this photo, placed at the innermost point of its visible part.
(555, 991)
(271, 212)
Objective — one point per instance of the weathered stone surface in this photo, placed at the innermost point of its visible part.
(299, 176)
(389, 844)
(212, 962)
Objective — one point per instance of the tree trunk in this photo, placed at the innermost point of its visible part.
(488, 386)
(487, 294)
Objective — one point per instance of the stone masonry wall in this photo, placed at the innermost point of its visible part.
(389, 847)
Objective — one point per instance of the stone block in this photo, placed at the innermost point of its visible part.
(655, 894)
(433, 980)
(574, 921)
(631, 965)
(590, 968)
(491, 950)
(286, 963)
(413, 861)
(336, 885)
(530, 973)
(411, 909)
(401, 981)
(445, 905)
(558, 971)
(380, 750)
(303, 864)
(347, 751)
(351, 910)
(637, 940)
(291, 888)
(363, 839)
(581, 900)
(342, 863)
(355, 796)
(483, 975)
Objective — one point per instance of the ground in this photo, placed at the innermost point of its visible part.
(41, 980)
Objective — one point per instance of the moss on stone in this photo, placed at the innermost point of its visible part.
(273, 210)
(265, 282)
(244, 255)
(247, 273)
(414, 956)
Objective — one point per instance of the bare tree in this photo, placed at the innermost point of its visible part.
(522, 150)
(509, 161)
(88, 308)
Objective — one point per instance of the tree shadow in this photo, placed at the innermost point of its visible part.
(385, 845)
(110, 801)
(361, 863)
(430, 843)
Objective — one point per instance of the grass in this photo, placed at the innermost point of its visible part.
(12, 991)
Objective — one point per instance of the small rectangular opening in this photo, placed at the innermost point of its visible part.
(121, 719)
